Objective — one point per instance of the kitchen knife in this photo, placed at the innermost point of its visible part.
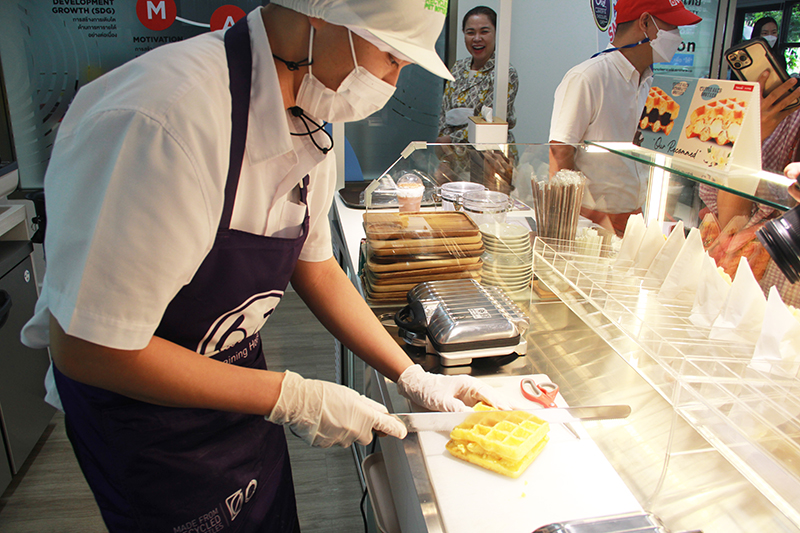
(558, 415)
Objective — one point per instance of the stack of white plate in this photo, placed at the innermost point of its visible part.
(507, 257)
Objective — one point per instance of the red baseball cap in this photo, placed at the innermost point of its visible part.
(670, 11)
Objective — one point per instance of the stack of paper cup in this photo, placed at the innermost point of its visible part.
(507, 260)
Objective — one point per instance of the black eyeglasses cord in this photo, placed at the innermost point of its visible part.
(298, 112)
(294, 65)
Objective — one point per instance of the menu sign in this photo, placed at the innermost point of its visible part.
(710, 122)
(664, 111)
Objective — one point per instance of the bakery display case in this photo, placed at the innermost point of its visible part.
(713, 441)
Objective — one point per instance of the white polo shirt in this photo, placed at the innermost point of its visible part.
(135, 187)
(601, 99)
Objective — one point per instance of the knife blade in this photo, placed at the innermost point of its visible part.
(416, 422)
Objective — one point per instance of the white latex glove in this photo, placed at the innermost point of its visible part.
(447, 393)
(324, 413)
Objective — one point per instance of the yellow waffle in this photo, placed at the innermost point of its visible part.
(659, 111)
(719, 120)
(476, 455)
(505, 442)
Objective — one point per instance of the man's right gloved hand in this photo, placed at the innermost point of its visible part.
(324, 413)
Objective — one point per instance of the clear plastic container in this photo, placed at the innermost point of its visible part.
(453, 191)
(409, 193)
(485, 207)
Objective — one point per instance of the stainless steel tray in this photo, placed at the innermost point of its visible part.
(628, 523)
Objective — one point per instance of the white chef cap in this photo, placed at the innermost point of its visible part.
(406, 28)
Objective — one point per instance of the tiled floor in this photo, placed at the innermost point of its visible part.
(51, 496)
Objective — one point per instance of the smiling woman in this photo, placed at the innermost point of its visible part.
(473, 86)
(479, 34)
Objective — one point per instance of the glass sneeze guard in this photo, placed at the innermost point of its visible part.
(749, 415)
(761, 186)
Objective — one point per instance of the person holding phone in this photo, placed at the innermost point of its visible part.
(602, 98)
(767, 29)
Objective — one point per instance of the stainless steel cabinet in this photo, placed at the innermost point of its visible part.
(23, 413)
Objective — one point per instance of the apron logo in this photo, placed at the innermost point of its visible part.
(239, 323)
(236, 501)
(250, 491)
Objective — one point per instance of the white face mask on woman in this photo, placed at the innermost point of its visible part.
(665, 44)
(359, 95)
(771, 39)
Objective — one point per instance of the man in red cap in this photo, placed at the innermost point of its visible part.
(601, 99)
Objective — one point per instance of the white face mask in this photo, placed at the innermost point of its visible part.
(359, 95)
(771, 39)
(665, 44)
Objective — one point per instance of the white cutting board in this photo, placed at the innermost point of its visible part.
(571, 479)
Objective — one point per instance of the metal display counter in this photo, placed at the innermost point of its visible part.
(711, 444)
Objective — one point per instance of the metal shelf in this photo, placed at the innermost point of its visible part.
(751, 417)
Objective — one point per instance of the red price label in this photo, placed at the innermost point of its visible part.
(748, 88)
(156, 15)
(225, 17)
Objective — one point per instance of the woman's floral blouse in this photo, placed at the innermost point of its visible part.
(475, 90)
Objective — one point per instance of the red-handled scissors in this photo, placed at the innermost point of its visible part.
(543, 393)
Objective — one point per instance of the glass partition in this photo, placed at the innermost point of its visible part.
(557, 206)
(514, 168)
(758, 186)
(506, 168)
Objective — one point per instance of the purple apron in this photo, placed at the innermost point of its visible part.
(159, 469)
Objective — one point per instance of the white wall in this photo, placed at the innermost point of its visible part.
(548, 37)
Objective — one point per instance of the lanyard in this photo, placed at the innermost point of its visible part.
(607, 50)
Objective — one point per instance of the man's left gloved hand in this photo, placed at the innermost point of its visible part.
(447, 393)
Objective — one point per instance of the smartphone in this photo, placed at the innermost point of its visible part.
(751, 58)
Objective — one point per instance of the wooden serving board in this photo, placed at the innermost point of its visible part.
(426, 274)
(471, 240)
(422, 225)
(456, 250)
(406, 284)
(385, 298)
(418, 265)
(424, 256)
